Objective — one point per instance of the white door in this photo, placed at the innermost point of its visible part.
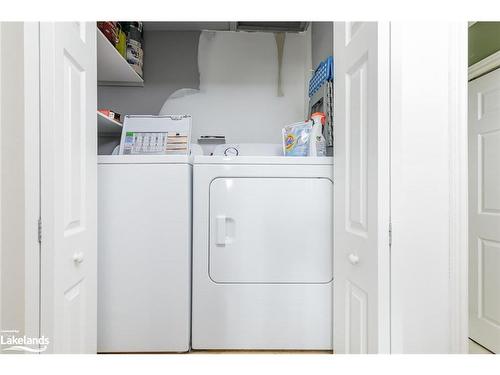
(361, 188)
(68, 186)
(249, 245)
(484, 210)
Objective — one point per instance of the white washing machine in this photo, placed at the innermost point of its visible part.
(262, 251)
(144, 253)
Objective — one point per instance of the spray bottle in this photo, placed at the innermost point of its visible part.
(317, 145)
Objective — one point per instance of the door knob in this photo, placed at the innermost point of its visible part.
(353, 258)
(78, 257)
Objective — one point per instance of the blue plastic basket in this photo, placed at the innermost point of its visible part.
(322, 74)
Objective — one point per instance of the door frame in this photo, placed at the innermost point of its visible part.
(32, 175)
(459, 188)
(447, 232)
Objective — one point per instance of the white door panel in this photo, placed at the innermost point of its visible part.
(361, 191)
(484, 210)
(68, 186)
(248, 243)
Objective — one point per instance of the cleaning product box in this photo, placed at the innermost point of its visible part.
(296, 138)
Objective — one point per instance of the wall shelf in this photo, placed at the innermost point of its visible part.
(112, 68)
(107, 126)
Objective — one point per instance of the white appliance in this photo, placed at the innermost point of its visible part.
(249, 149)
(262, 252)
(144, 253)
(155, 135)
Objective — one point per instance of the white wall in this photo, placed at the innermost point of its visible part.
(322, 41)
(19, 184)
(238, 86)
(424, 117)
(12, 183)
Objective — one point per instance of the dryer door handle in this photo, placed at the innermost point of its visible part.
(220, 227)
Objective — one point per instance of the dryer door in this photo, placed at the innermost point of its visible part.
(271, 230)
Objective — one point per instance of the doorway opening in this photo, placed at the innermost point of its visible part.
(484, 187)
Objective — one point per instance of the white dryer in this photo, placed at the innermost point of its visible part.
(262, 252)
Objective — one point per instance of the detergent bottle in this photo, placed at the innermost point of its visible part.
(317, 145)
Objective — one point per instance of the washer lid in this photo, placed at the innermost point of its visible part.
(144, 159)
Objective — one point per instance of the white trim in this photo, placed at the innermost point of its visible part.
(31, 178)
(458, 163)
(384, 186)
(425, 238)
(484, 66)
(47, 259)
